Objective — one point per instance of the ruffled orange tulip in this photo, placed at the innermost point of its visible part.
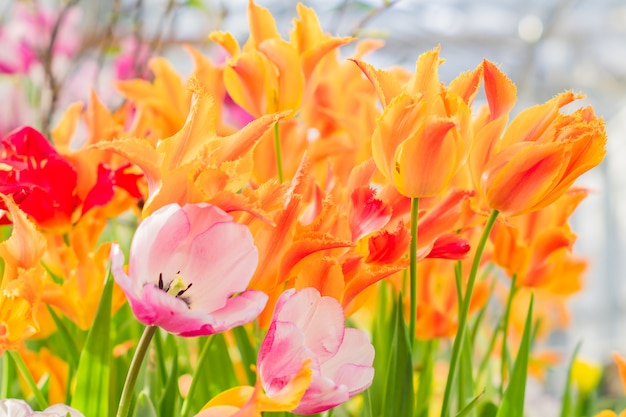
(269, 75)
(22, 281)
(541, 153)
(536, 247)
(420, 140)
(195, 164)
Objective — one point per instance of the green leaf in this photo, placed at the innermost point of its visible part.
(145, 408)
(91, 396)
(8, 376)
(382, 334)
(488, 410)
(426, 378)
(169, 399)
(71, 350)
(367, 404)
(470, 406)
(247, 352)
(513, 400)
(566, 406)
(466, 379)
(213, 374)
(399, 394)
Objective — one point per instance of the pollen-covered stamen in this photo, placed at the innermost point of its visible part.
(181, 292)
(176, 287)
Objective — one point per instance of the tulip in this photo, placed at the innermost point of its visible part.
(21, 283)
(186, 265)
(306, 326)
(541, 153)
(420, 139)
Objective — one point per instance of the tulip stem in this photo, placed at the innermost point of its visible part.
(28, 377)
(463, 313)
(279, 160)
(133, 371)
(505, 332)
(413, 268)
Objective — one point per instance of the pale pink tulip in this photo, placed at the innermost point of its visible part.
(188, 271)
(19, 408)
(307, 325)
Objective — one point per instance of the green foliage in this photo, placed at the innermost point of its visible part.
(398, 393)
(513, 401)
(145, 408)
(247, 352)
(91, 395)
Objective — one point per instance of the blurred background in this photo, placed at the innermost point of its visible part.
(544, 46)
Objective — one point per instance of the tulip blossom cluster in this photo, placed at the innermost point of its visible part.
(290, 231)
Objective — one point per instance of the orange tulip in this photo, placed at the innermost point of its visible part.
(44, 364)
(22, 281)
(541, 153)
(270, 74)
(161, 105)
(536, 247)
(420, 140)
(195, 164)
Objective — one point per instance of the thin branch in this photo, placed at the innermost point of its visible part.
(371, 14)
(53, 85)
(338, 16)
(156, 44)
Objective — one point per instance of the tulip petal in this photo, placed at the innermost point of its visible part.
(500, 91)
(155, 246)
(322, 322)
(350, 365)
(221, 262)
(281, 355)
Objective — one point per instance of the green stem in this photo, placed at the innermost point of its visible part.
(279, 160)
(30, 381)
(133, 371)
(413, 269)
(198, 368)
(505, 333)
(467, 298)
(458, 276)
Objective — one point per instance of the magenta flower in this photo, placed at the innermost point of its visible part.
(19, 408)
(305, 326)
(188, 271)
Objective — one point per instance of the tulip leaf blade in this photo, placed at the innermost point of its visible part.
(91, 396)
(513, 401)
(470, 406)
(382, 333)
(144, 407)
(566, 405)
(247, 352)
(399, 395)
(169, 398)
(69, 343)
(466, 378)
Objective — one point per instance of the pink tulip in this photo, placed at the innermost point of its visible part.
(186, 265)
(19, 408)
(307, 325)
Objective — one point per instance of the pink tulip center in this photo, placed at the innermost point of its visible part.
(176, 287)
